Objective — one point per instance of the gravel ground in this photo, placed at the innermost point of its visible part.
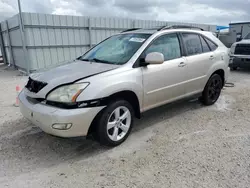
(180, 145)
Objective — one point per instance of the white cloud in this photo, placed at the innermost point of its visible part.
(6, 10)
(4, 7)
(196, 11)
(199, 13)
(64, 11)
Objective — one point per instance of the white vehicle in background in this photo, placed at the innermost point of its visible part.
(240, 54)
(125, 75)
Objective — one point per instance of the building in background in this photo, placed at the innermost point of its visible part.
(236, 32)
(239, 30)
(223, 34)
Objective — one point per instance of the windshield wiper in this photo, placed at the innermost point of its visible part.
(96, 60)
(85, 59)
(101, 61)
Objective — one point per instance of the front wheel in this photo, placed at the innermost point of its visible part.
(115, 123)
(233, 68)
(212, 90)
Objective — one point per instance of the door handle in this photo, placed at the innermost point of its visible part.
(182, 64)
(211, 57)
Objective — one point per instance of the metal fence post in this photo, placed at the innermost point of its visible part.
(12, 61)
(90, 33)
(2, 46)
(133, 24)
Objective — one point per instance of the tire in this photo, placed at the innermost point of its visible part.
(109, 116)
(212, 90)
(233, 68)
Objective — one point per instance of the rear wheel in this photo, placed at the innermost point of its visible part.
(115, 123)
(212, 90)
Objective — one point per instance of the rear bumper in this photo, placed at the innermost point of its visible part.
(44, 116)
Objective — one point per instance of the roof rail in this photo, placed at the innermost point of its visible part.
(132, 29)
(179, 27)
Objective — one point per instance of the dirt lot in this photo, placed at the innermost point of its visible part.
(181, 145)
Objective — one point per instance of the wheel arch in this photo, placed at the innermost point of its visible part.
(127, 95)
(221, 73)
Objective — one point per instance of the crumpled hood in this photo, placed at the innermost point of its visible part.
(66, 74)
(71, 72)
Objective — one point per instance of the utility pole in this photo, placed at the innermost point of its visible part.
(20, 13)
(21, 27)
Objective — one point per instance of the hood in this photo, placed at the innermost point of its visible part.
(68, 73)
(71, 72)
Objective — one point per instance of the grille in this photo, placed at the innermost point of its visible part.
(35, 86)
(242, 49)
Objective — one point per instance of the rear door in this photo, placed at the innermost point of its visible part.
(200, 58)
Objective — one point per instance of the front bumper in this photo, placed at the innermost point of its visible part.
(226, 75)
(242, 61)
(44, 116)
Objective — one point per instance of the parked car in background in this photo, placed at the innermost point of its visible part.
(125, 75)
(1, 59)
(240, 54)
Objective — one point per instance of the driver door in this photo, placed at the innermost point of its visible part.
(164, 82)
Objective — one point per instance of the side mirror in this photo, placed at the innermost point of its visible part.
(239, 39)
(154, 58)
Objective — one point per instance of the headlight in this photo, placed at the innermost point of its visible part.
(232, 49)
(67, 93)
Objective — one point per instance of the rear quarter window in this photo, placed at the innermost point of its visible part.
(211, 44)
(204, 44)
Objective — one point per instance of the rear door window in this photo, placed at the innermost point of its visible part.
(205, 47)
(192, 43)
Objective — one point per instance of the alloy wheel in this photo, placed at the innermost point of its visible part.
(119, 123)
(214, 89)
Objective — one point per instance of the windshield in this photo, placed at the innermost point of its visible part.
(248, 36)
(117, 49)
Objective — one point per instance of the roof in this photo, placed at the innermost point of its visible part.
(161, 28)
(142, 31)
(239, 23)
(146, 31)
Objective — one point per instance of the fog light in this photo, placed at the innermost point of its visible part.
(62, 126)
